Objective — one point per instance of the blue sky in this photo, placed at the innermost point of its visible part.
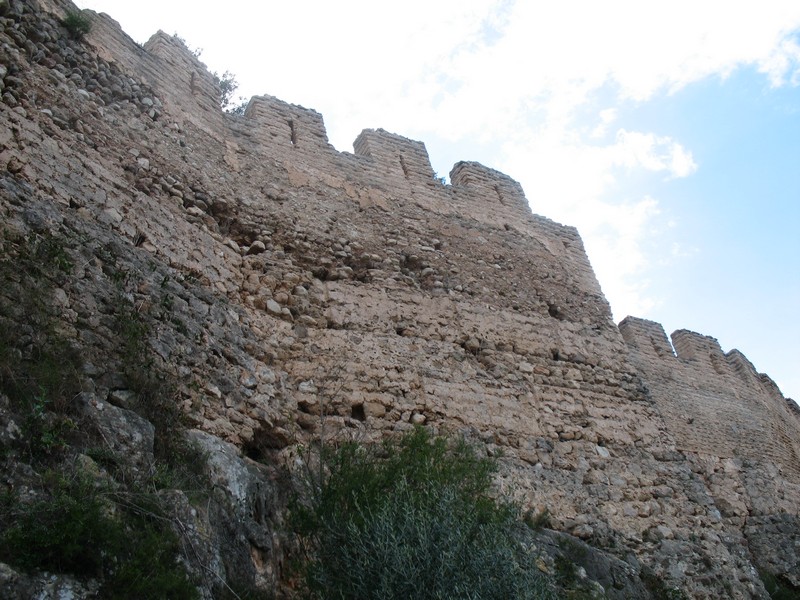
(667, 132)
(737, 217)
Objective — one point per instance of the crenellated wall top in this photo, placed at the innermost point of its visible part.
(296, 132)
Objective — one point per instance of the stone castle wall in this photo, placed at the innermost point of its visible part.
(715, 403)
(357, 286)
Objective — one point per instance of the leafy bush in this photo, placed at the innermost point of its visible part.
(777, 587)
(77, 23)
(539, 520)
(79, 529)
(412, 519)
(658, 588)
(227, 86)
(40, 384)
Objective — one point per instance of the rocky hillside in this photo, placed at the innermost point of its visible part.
(189, 298)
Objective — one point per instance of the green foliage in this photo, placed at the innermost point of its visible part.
(42, 374)
(227, 86)
(412, 519)
(236, 591)
(778, 588)
(149, 568)
(77, 23)
(237, 108)
(573, 586)
(59, 532)
(47, 433)
(565, 562)
(658, 588)
(538, 521)
(39, 369)
(78, 528)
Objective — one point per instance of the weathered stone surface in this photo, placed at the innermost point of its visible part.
(244, 519)
(595, 573)
(284, 281)
(124, 432)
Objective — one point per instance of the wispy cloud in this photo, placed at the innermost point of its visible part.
(573, 182)
(634, 149)
(607, 116)
(782, 66)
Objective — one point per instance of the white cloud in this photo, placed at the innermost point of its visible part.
(574, 183)
(607, 117)
(782, 66)
(653, 153)
(681, 161)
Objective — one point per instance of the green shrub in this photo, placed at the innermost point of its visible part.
(227, 87)
(777, 587)
(538, 521)
(658, 588)
(180, 464)
(413, 519)
(78, 528)
(77, 23)
(62, 532)
(39, 368)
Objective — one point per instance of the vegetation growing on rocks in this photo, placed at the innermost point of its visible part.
(227, 86)
(77, 23)
(778, 588)
(39, 370)
(79, 526)
(414, 518)
(78, 507)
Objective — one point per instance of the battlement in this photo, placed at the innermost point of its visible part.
(700, 353)
(288, 126)
(396, 164)
(395, 155)
(646, 337)
(165, 64)
(693, 346)
(489, 184)
(175, 57)
(709, 398)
